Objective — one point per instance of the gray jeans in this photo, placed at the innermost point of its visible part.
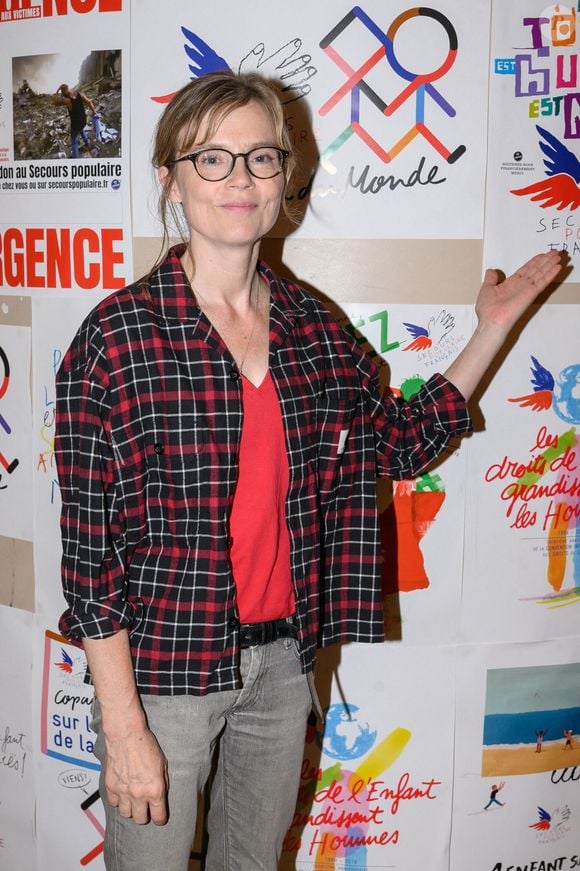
(259, 732)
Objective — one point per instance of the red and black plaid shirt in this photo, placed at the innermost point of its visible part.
(149, 418)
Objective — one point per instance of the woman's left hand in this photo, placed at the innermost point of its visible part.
(498, 307)
(502, 303)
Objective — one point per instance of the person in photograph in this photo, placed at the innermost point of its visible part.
(75, 103)
(540, 735)
(493, 799)
(218, 440)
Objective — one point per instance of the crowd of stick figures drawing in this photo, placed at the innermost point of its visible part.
(419, 86)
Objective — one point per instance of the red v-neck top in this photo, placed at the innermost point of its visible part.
(260, 542)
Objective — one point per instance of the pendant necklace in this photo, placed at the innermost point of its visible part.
(252, 331)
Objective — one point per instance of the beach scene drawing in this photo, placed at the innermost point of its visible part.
(532, 719)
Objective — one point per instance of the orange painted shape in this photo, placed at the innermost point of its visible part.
(324, 861)
(413, 515)
(557, 537)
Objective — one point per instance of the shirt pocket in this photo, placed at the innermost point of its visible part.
(173, 493)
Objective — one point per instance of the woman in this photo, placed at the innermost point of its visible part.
(218, 440)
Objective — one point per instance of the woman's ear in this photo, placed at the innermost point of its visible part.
(169, 184)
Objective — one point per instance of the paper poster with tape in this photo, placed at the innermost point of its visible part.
(533, 176)
(378, 771)
(517, 757)
(382, 103)
(55, 322)
(422, 541)
(70, 816)
(522, 555)
(64, 147)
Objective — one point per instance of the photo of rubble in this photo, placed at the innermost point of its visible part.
(67, 107)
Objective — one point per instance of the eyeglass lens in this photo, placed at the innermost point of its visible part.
(214, 164)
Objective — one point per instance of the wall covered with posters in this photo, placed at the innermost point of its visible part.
(433, 140)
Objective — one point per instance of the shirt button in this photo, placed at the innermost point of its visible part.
(233, 622)
(158, 448)
(234, 374)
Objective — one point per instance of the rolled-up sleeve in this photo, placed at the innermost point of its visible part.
(410, 434)
(93, 560)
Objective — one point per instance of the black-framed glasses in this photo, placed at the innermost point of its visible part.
(215, 164)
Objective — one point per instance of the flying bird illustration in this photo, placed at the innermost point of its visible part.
(562, 187)
(551, 821)
(420, 335)
(437, 329)
(543, 384)
(289, 63)
(203, 59)
(67, 664)
(545, 821)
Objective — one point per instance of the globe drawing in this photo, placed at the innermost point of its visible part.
(566, 399)
(346, 736)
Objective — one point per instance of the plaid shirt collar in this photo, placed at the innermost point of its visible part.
(173, 296)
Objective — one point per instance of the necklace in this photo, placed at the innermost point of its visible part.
(255, 283)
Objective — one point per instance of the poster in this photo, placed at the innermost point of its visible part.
(379, 771)
(15, 432)
(523, 491)
(533, 175)
(54, 322)
(17, 794)
(421, 519)
(64, 147)
(383, 103)
(69, 816)
(516, 802)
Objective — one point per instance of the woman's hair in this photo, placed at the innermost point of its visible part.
(206, 101)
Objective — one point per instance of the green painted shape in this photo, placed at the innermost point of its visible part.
(565, 441)
(411, 386)
(431, 482)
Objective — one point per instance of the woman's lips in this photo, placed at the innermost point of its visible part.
(240, 207)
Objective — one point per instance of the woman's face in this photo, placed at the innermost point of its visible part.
(237, 211)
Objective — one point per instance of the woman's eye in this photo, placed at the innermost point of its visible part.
(263, 157)
(211, 158)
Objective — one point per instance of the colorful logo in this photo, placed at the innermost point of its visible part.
(545, 821)
(551, 827)
(562, 395)
(436, 331)
(67, 664)
(561, 188)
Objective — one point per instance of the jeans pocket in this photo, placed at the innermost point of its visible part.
(294, 645)
(316, 706)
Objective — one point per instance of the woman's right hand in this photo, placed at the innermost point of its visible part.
(135, 767)
(136, 777)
